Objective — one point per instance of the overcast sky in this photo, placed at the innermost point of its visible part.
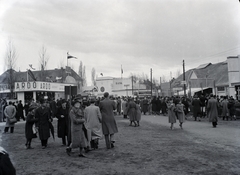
(105, 34)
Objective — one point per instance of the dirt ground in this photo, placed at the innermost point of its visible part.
(150, 149)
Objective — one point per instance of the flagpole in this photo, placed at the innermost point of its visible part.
(121, 71)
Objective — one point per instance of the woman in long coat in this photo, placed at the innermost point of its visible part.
(171, 113)
(138, 113)
(124, 108)
(62, 124)
(30, 120)
(78, 130)
(212, 108)
(131, 111)
(43, 116)
(180, 113)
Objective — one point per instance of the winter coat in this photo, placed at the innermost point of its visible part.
(131, 110)
(20, 110)
(180, 112)
(225, 111)
(62, 124)
(119, 105)
(93, 119)
(109, 125)
(196, 107)
(124, 107)
(171, 113)
(43, 116)
(10, 112)
(78, 135)
(145, 106)
(138, 113)
(212, 108)
(30, 120)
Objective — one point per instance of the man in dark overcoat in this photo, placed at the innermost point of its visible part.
(43, 116)
(109, 125)
(62, 125)
(196, 108)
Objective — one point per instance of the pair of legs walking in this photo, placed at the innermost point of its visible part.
(109, 139)
(28, 144)
(7, 128)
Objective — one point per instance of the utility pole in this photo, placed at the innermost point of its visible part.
(151, 80)
(132, 85)
(184, 80)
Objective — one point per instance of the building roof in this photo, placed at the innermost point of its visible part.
(217, 72)
(55, 75)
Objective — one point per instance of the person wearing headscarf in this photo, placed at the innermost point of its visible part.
(29, 130)
(93, 124)
(180, 112)
(171, 113)
(78, 130)
(44, 119)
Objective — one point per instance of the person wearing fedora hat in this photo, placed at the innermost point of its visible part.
(78, 130)
(30, 120)
(62, 124)
(44, 119)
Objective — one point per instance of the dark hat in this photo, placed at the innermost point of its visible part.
(78, 98)
(63, 101)
(32, 107)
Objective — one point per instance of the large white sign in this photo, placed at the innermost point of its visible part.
(40, 86)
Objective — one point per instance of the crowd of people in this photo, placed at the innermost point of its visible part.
(82, 123)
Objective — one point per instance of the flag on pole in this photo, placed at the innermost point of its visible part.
(70, 56)
(30, 73)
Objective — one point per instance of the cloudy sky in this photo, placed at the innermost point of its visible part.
(105, 34)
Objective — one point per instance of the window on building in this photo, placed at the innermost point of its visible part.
(221, 88)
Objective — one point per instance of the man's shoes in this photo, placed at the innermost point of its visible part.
(43, 147)
(112, 144)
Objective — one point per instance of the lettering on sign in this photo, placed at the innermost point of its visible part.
(26, 85)
(118, 82)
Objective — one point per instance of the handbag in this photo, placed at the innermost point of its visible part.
(12, 120)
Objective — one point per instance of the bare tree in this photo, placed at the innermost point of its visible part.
(82, 73)
(10, 62)
(43, 60)
(93, 76)
(84, 76)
